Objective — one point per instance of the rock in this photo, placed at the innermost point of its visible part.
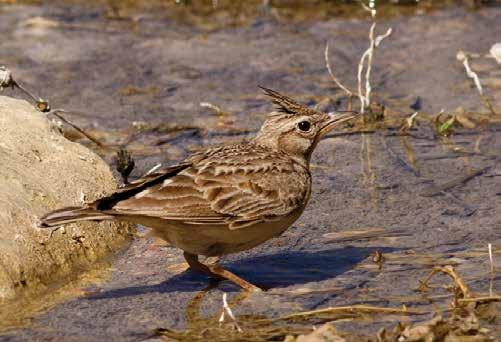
(41, 171)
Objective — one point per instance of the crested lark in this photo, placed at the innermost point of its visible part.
(225, 199)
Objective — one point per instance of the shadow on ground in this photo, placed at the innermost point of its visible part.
(277, 270)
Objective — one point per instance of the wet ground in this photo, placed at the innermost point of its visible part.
(139, 83)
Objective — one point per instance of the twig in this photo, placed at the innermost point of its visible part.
(334, 79)
(368, 88)
(491, 273)
(354, 309)
(491, 258)
(57, 113)
(408, 123)
(218, 111)
(486, 299)
(359, 235)
(125, 164)
(7, 80)
(369, 55)
(451, 272)
(371, 8)
(227, 310)
(464, 58)
(365, 7)
(153, 169)
(361, 68)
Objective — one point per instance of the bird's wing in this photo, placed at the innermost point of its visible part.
(137, 186)
(239, 190)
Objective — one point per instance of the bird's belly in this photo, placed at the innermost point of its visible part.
(217, 240)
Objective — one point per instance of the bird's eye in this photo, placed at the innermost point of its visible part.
(304, 126)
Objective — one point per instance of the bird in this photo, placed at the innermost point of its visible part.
(224, 199)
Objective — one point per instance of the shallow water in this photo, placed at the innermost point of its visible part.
(138, 83)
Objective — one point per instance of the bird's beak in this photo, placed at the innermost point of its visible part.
(334, 119)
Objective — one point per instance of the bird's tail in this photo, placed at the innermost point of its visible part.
(72, 214)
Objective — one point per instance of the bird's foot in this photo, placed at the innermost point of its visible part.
(216, 271)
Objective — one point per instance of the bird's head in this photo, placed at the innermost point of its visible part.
(296, 129)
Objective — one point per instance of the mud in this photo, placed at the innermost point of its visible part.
(158, 71)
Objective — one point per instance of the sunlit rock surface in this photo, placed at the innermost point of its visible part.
(41, 171)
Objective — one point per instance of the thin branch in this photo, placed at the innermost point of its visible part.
(486, 299)
(491, 258)
(361, 68)
(369, 55)
(217, 110)
(6, 80)
(368, 87)
(354, 309)
(57, 113)
(371, 8)
(227, 310)
(327, 64)
(153, 169)
(42, 105)
(464, 58)
(491, 273)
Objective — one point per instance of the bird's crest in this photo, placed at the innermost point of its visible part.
(285, 104)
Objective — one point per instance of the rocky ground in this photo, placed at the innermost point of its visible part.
(43, 171)
(141, 85)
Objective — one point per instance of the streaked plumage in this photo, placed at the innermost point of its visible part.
(225, 199)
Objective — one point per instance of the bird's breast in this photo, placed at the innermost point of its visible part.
(219, 239)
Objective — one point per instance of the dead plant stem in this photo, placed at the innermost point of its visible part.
(353, 309)
(451, 272)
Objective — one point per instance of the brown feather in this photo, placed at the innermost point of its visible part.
(72, 214)
(286, 104)
(249, 181)
(224, 199)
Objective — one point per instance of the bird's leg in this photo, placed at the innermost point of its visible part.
(212, 260)
(216, 271)
(195, 265)
(221, 272)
